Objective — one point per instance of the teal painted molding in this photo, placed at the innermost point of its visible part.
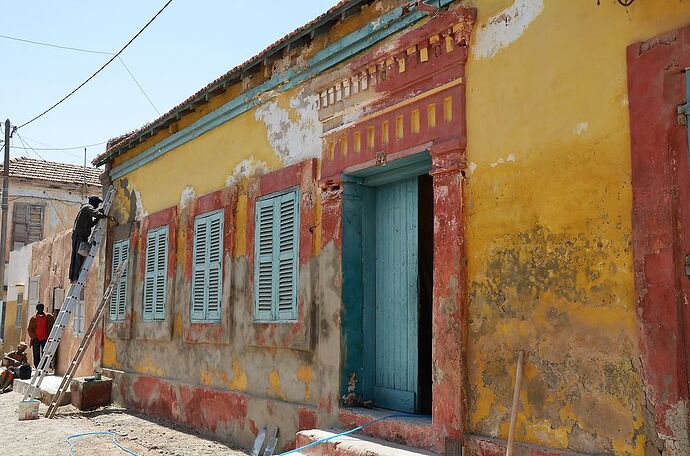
(357, 41)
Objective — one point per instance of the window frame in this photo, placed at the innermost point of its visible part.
(79, 314)
(194, 314)
(122, 286)
(156, 313)
(275, 315)
(27, 224)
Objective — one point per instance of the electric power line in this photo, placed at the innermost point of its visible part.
(139, 85)
(41, 43)
(61, 148)
(25, 145)
(99, 70)
(90, 51)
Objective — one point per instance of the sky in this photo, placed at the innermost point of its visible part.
(189, 45)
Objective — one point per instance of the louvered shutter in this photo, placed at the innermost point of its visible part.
(150, 275)
(122, 295)
(276, 257)
(35, 224)
(161, 274)
(118, 299)
(199, 259)
(287, 257)
(116, 290)
(214, 266)
(263, 261)
(20, 217)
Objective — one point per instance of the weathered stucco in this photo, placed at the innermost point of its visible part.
(18, 273)
(533, 204)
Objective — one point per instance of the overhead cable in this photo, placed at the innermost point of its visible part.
(41, 43)
(99, 70)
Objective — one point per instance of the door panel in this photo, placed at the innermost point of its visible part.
(396, 295)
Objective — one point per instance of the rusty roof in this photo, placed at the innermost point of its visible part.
(29, 168)
(341, 9)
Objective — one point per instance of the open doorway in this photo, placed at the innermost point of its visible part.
(388, 254)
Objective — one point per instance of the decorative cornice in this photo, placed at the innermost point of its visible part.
(334, 54)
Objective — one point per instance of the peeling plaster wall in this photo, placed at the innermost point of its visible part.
(50, 262)
(17, 272)
(61, 203)
(549, 233)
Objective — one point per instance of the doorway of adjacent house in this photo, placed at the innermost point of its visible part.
(397, 279)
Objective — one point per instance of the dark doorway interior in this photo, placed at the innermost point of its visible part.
(426, 282)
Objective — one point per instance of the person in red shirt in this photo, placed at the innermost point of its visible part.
(39, 328)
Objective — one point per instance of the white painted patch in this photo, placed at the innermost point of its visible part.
(580, 128)
(141, 212)
(471, 167)
(505, 28)
(624, 101)
(500, 161)
(188, 194)
(293, 141)
(246, 168)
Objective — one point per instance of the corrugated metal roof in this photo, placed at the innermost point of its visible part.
(29, 168)
(332, 14)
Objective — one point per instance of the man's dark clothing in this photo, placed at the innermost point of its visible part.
(38, 346)
(86, 219)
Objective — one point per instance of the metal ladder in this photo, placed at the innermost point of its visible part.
(74, 365)
(55, 336)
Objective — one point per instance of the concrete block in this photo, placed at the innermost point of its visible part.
(89, 395)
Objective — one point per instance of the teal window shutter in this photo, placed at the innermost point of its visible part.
(207, 267)
(263, 261)
(161, 274)
(287, 257)
(118, 299)
(113, 296)
(156, 272)
(277, 257)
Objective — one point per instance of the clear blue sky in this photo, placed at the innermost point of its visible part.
(189, 45)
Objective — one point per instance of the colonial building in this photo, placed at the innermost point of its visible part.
(388, 204)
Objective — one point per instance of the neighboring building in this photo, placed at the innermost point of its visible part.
(44, 198)
(389, 203)
(50, 271)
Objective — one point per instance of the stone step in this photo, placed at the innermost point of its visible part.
(49, 387)
(352, 445)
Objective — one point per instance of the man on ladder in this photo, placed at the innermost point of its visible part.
(88, 216)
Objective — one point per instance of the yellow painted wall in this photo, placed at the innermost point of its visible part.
(13, 335)
(549, 223)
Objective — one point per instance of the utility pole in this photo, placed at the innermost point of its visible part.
(3, 229)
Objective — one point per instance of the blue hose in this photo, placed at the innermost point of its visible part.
(115, 442)
(358, 428)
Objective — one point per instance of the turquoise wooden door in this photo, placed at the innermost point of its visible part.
(396, 295)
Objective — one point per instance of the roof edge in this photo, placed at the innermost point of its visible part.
(116, 146)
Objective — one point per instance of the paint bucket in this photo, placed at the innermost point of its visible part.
(28, 410)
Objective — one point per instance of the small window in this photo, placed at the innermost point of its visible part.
(276, 257)
(207, 267)
(156, 276)
(79, 313)
(27, 224)
(118, 299)
(20, 310)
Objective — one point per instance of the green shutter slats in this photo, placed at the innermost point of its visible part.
(118, 300)
(114, 264)
(150, 276)
(122, 288)
(207, 270)
(214, 265)
(155, 280)
(161, 274)
(276, 257)
(263, 283)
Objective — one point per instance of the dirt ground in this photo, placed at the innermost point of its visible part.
(141, 435)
